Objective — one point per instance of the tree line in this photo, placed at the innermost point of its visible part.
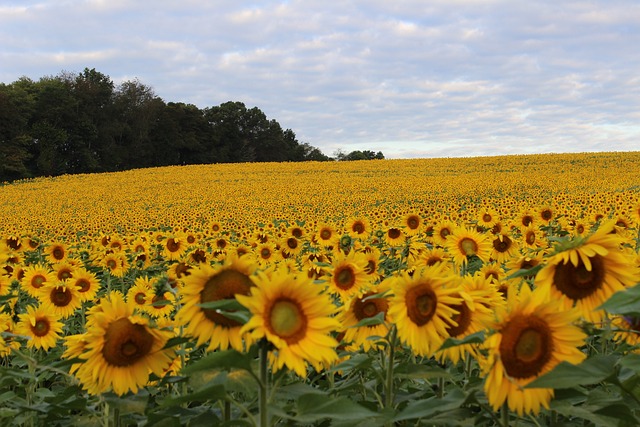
(82, 123)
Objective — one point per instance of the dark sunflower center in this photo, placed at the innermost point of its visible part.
(345, 277)
(83, 285)
(502, 245)
(444, 233)
(287, 320)
(462, 318)
(370, 308)
(224, 285)
(496, 228)
(182, 269)
(221, 243)
(61, 297)
(530, 237)
(358, 227)
(370, 268)
(58, 253)
(41, 327)
(172, 245)
(433, 260)
(526, 220)
(546, 214)
(580, 229)
(576, 282)
(111, 264)
(325, 234)
(421, 302)
(468, 246)
(14, 243)
(297, 233)
(292, 243)
(526, 346)
(265, 253)
(486, 217)
(125, 343)
(140, 298)
(37, 281)
(64, 274)
(393, 233)
(191, 239)
(413, 222)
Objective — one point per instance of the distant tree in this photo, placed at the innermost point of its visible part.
(358, 155)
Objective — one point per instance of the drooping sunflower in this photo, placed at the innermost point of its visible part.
(347, 276)
(214, 283)
(41, 327)
(464, 243)
(121, 349)
(369, 304)
(60, 298)
(36, 276)
(532, 337)
(587, 271)
(293, 314)
(422, 307)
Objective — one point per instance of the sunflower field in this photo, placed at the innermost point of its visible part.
(489, 291)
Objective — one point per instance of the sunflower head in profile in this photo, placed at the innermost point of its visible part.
(7, 343)
(292, 314)
(422, 307)
(41, 327)
(585, 272)
(464, 243)
(120, 349)
(215, 283)
(532, 337)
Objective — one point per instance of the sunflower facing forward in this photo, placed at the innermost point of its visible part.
(121, 349)
(531, 338)
(293, 314)
(588, 272)
(422, 308)
(208, 284)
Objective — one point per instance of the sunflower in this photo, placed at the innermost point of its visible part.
(56, 252)
(503, 248)
(492, 272)
(487, 217)
(140, 294)
(464, 243)
(588, 271)
(347, 276)
(295, 317)
(75, 345)
(266, 254)
(7, 344)
(532, 237)
(174, 247)
(358, 227)
(545, 214)
(64, 270)
(115, 263)
(579, 228)
(370, 304)
(121, 349)
(394, 236)
(60, 298)
(373, 265)
(525, 218)
(296, 231)
(430, 257)
(627, 329)
(214, 283)
(475, 313)
(36, 276)
(161, 304)
(442, 230)
(422, 308)
(412, 223)
(531, 338)
(41, 327)
(292, 245)
(326, 235)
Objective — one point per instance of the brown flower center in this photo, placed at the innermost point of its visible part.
(576, 282)
(393, 233)
(526, 346)
(462, 318)
(292, 243)
(413, 222)
(83, 285)
(172, 245)
(370, 308)
(421, 302)
(58, 253)
(287, 320)
(357, 227)
(41, 327)
(325, 234)
(468, 246)
(526, 220)
(344, 277)
(61, 297)
(125, 343)
(224, 285)
(502, 245)
(37, 281)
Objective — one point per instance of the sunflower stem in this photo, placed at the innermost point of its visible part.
(264, 382)
(440, 387)
(388, 394)
(505, 414)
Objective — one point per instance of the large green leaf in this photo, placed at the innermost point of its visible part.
(426, 408)
(210, 392)
(313, 407)
(477, 338)
(220, 360)
(592, 371)
(624, 302)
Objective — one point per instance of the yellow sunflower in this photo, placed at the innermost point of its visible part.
(412, 223)
(266, 254)
(358, 227)
(7, 344)
(475, 313)
(347, 276)
(36, 276)
(587, 271)
(160, 304)
(627, 329)
(503, 248)
(293, 314)
(174, 247)
(214, 283)
(442, 230)
(41, 327)
(394, 236)
(464, 243)
(531, 338)
(532, 238)
(60, 298)
(422, 308)
(115, 263)
(326, 235)
(140, 293)
(56, 252)
(487, 217)
(364, 307)
(121, 349)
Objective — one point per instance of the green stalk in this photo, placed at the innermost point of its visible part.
(505, 414)
(264, 383)
(388, 393)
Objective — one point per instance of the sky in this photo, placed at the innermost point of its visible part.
(410, 78)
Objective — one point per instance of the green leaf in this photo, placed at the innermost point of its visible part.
(210, 392)
(223, 304)
(220, 360)
(630, 361)
(476, 338)
(585, 413)
(592, 371)
(425, 408)
(358, 361)
(313, 407)
(624, 302)
(376, 296)
(418, 371)
(378, 319)
(525, 272)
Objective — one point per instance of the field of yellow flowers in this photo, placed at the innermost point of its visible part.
(488, 291)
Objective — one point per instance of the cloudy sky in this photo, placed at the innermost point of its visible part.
(414, 78)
